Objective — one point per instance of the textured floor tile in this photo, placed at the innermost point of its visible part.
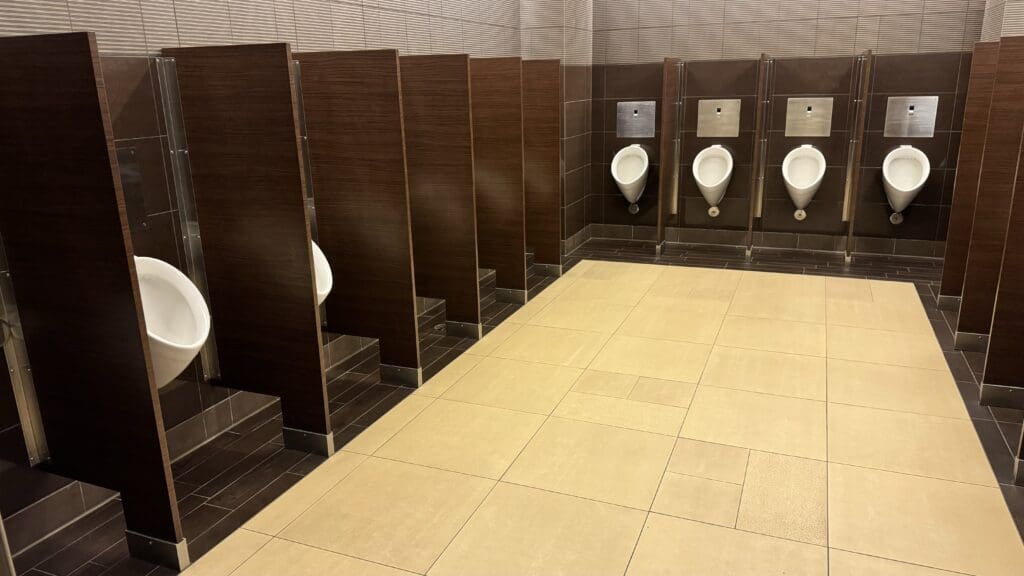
(461, 437)
(785, 496)
(894, 388)
(885, 347)
(698, 499)
(532, 308)
(667, 323)
(495, 338)
(594, 461)
(524, 531)
(456, 369)
(937, 523)
(231, 553)
(910, 443)
(760, 421)
(552, 346)
(284, 558)
(685, 548)
(768, 372)
(879, 316)
(606, 383)
(708, 460)
(290, 505)
(369, 440)
(662, 359)
(669, 392)
(842, 563)
(772, 335)
(632, 414)
(593, 315)
(513, 384)
(393, 513)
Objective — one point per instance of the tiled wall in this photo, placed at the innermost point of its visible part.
(1002, 18)
(557, 29)
(477, 27)
(576, 122)
(628, 31)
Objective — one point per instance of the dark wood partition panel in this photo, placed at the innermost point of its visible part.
(542, 158)
(668, 171)
(353, 112)
(240, 121)
(497, 86)
(995, 192)
(439, 156)
(968, 169)
(63, 221)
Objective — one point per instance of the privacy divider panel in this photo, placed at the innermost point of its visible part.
(968, 169)
(65, 230)
(542, 158)
(668, 170)
(353, 111)
(995, 192)
(439, 155)
(497, 87)
(239, 114)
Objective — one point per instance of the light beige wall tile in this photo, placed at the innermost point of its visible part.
(445, 35)
(117, 24)
(655, 13)
(347, 27)
(867, 33)
(417, 31)
(203, 22)
(161, 26)
(312, 25)
(252, 21)
(899, 33)
(615, 14)
(20, 17)
(284, 18)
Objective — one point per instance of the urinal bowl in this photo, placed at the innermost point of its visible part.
(712, 170)
(322, 274)
(802, 170)
(629, 169)
(904, 172)
(177, 318)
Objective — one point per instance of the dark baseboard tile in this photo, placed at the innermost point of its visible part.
(899, 246)
(706, 236)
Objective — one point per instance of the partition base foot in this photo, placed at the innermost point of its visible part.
(948, 302)
(1018, 472)
(1002, 396)
(554, 270)
(463, 329)
(749, 254)
(305, 441)
(402, 375)
(848, 258)
(169, 554)
(970, 342)
(510, 295)
(657, 248)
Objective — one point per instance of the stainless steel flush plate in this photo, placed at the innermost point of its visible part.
(718, 118)
(809, 117)
(911, 116)
(635, 119)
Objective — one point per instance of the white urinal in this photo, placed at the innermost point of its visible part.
(802, 169)
(904, 172)
(177, 319)
(322, 274)
(712, 169)
(629, 169)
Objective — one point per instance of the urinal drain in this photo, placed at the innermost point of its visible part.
(800, 215)
(633, 208)
(896, 218)
(714, 211)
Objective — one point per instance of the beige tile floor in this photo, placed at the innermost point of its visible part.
(637, 419)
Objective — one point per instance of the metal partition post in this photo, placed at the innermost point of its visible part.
(862, 75)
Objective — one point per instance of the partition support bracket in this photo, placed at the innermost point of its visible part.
(510, 295)
(749, 253)
(1002, 396)
(464, 329)
(402, 375)
(173, 555)
(1018, 471)
(311, 442)
(948, 302)
(970, 342)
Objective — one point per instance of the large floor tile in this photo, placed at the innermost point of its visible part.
(530, 310)
(773, 335)
(848, 289)
(709, 460)
(894, 388)
(231, 553)
(478, 440)
(552, 346)
(698, 499)
(791, 297)
(632, 414)
(622, 271)
(594, 461)
(514, 384)
(768, 372)
(456, 369)
(622, 291)
(304, 494)
(668, 392)
(778, 424)
(785, 496)
(696, 284)
(842, 563)
(910, 443)
(894, 293)
(592, 315)
(393, 513)
(682, 323)
(522, 531)
(885, 347)
(936, 523)
(879, 316)
(673, 546)
(662, 359)
(369, 440)
(605, 383)
(495, 338)
(284, 558)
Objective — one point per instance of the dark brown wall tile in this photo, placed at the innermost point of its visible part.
(633, 80)
(712, 79)
(813, 76)
(916, 73)
(576, 83)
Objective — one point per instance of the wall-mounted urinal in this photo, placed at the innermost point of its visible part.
(177, 319)
(802, 169)
(629, 169)
(904, 172)
(712, 169)
(321, 274)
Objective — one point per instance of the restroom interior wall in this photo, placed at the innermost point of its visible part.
(577, 114)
